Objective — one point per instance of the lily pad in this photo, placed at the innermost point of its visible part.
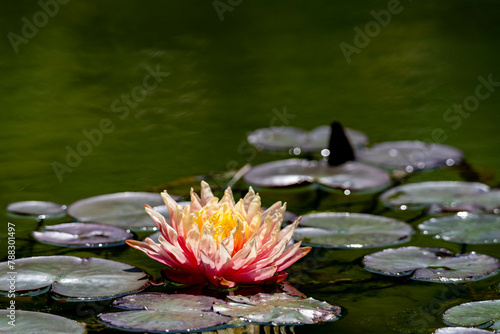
(482, 314)
(287, 138)
(440, 196)
(289, 173)
(432, 264)
(410, 156)
(120, 209)
(73, 278)
(160, 312)
(351, 230)
(83, 235)
(278, 309)
(38, 322)
(464, 228)
(460, 330)
(37, 210)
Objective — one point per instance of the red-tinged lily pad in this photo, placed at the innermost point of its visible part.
(25, 322)
(287, 138)
(83, 235)
(278, 309)
(432, 264)
(482, 314)
(460, 330)
(290, 173)
(440, 196)
(464, 228)
(120, 209)
(72, 278)
(351, 230)
(410, 156)
(37, 210)
(163, 313)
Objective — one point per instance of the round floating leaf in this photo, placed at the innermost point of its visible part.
(37, 209)
(410, 155)
(285, 138)
(351, 176)
(484, 313)
(120, 209)
(161, 312)
(351, 230)
(441, 195)
(36, 322)
(460, 330)
(464, 228)
(432, 264)
(83, 235)
(74, 278)
(278, 309)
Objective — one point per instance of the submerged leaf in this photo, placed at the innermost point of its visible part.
(432, 264)
(37, 322)
(484, 313)
(278, 309)
(73, 278)
(351, 230)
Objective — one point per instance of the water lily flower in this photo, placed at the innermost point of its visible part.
(223, 242)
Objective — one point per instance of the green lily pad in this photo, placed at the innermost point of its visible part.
(278, 309)
(289, 173)
(410, 156)
(73, 278)
(351, 230)
(432, 264)
(83, 235)
(160, 312)
(464, 228)
(36, 210)
(482, 314)
(120, 209)
(37, 322)
(440, 196)
(460, 330)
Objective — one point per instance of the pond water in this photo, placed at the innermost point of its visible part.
(134, 96)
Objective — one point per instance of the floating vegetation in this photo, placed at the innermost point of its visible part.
(278, 309)
(432, 264)
(460, 330)
(74, 279)
(410, 156)
(120, 209)
(464, 228)
(484, 314)
(350, 176)
(83, 235)
(160, 312)
(37, 210)
(351, 230)
(26, 322)
(440, 196)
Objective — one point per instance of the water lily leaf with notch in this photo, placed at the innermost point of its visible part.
(83, 235)
(278, 309)
(120, 209)
(37, 210)
(460, 330)
(351, 230)
(160, 312)
(432, 264)
(440, 196)
(73, 278)
(38, 322)
(410, 155)
(483, 314)
(464, 228)
(289, 173)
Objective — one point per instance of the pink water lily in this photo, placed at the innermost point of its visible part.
(222, 242)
